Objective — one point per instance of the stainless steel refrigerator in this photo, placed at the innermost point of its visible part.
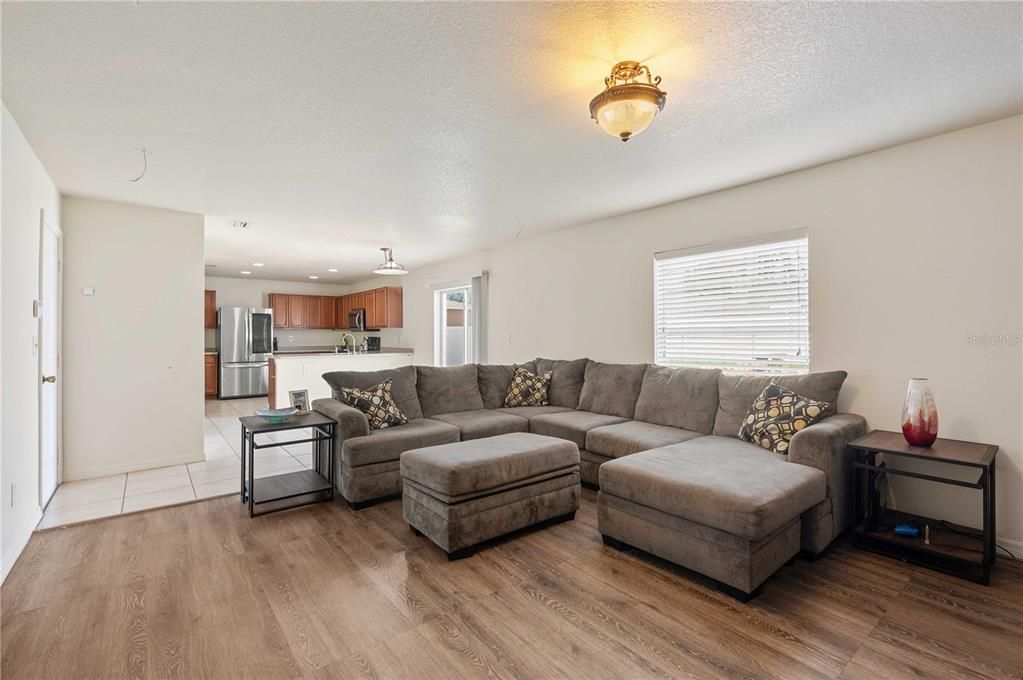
(245, 343)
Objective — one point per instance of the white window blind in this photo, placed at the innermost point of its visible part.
(739, 308)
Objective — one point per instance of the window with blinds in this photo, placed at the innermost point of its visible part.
(743, 307)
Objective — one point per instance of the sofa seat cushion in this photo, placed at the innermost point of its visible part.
(571, 425)
(533, 411)
(717, 481)
(634, 436)
(483, 423)
(468, 468)
(381, 446)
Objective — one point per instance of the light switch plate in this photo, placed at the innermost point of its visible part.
(88, 291)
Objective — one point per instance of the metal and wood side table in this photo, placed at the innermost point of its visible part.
(951, 548)
(312, 486)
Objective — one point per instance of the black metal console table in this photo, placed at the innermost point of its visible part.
(951, 548)
(314, 485)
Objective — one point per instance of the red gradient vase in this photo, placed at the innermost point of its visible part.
(919, 414)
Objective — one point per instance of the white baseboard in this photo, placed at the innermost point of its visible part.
(119, 468)
(14, 551)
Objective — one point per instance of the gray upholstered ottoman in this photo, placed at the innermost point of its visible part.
(465, 493)
(730, 514)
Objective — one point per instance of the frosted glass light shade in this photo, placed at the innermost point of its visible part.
(626, 117)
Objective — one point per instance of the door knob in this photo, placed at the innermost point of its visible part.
(49, 378)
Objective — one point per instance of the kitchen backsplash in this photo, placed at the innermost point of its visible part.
(301, 337)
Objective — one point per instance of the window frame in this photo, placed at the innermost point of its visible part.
(777, 237)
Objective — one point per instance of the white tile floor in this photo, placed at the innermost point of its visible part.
(218, 475)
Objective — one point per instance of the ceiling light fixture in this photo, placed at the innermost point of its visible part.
(246, 273)
(390, 267)
(313, 276)
(626, 107)
(332, 270)
(257, 264)
(240, 224)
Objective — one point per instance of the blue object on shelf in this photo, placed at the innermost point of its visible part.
(905, 529)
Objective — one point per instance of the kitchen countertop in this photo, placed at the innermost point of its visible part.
(321, 351)
(212, 351)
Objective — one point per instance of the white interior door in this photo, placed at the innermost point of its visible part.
(49, 360)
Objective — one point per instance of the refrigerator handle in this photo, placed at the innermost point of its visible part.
(248, 337)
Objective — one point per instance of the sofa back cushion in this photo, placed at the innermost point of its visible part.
(403, 386)
(566, 380)
(448, 389)
(736, 394)
(686, 398)
(494, 381)
(612, 389)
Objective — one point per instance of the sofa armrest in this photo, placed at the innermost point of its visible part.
(824, 446)
(351, 421)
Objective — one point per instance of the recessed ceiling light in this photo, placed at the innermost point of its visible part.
(244, 272)
(257, 264)
(313, 276)
(332, 270)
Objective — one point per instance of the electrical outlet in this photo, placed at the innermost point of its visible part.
(507, 339)
(291, 338)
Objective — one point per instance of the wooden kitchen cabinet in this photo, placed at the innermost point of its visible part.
(383, 307)
(271, 396)
(358, 301)
(311, 304)
(344, 307)
(210, 308)
(279, 305)
(373, 317)
(296, 311)
(211, 375)
(328, 312)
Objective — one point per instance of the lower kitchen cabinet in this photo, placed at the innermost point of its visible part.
(211, 375)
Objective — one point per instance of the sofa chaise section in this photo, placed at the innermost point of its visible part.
(714, 505)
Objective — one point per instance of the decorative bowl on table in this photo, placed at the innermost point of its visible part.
(276, 416)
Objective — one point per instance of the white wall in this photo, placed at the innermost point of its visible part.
(912, 250)
(133, 361)
(251, 292)
(26, 189)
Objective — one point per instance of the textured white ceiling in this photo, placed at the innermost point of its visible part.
(439, 128)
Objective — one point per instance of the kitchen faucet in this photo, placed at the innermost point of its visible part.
(348, 335)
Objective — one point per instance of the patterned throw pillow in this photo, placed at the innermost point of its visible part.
(528, 388)
(377, 403)
(777, 415)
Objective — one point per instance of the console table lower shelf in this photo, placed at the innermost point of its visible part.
(950, 548)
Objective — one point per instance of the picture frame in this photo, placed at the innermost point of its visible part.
(300, 400)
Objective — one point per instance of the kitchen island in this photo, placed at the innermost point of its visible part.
(303, 370)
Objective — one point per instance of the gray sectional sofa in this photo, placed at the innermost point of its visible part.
(609, 411)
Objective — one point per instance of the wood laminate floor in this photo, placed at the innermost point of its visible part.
(202, 591)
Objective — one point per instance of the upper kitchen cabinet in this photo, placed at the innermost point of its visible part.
(312, 304)
(279, 305)
(210, 308)
(328, 313)
(297, 311)
(383, 307)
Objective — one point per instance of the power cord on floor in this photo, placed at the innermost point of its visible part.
(948, 526)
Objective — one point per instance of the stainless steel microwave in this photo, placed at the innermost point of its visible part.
(357, 320)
